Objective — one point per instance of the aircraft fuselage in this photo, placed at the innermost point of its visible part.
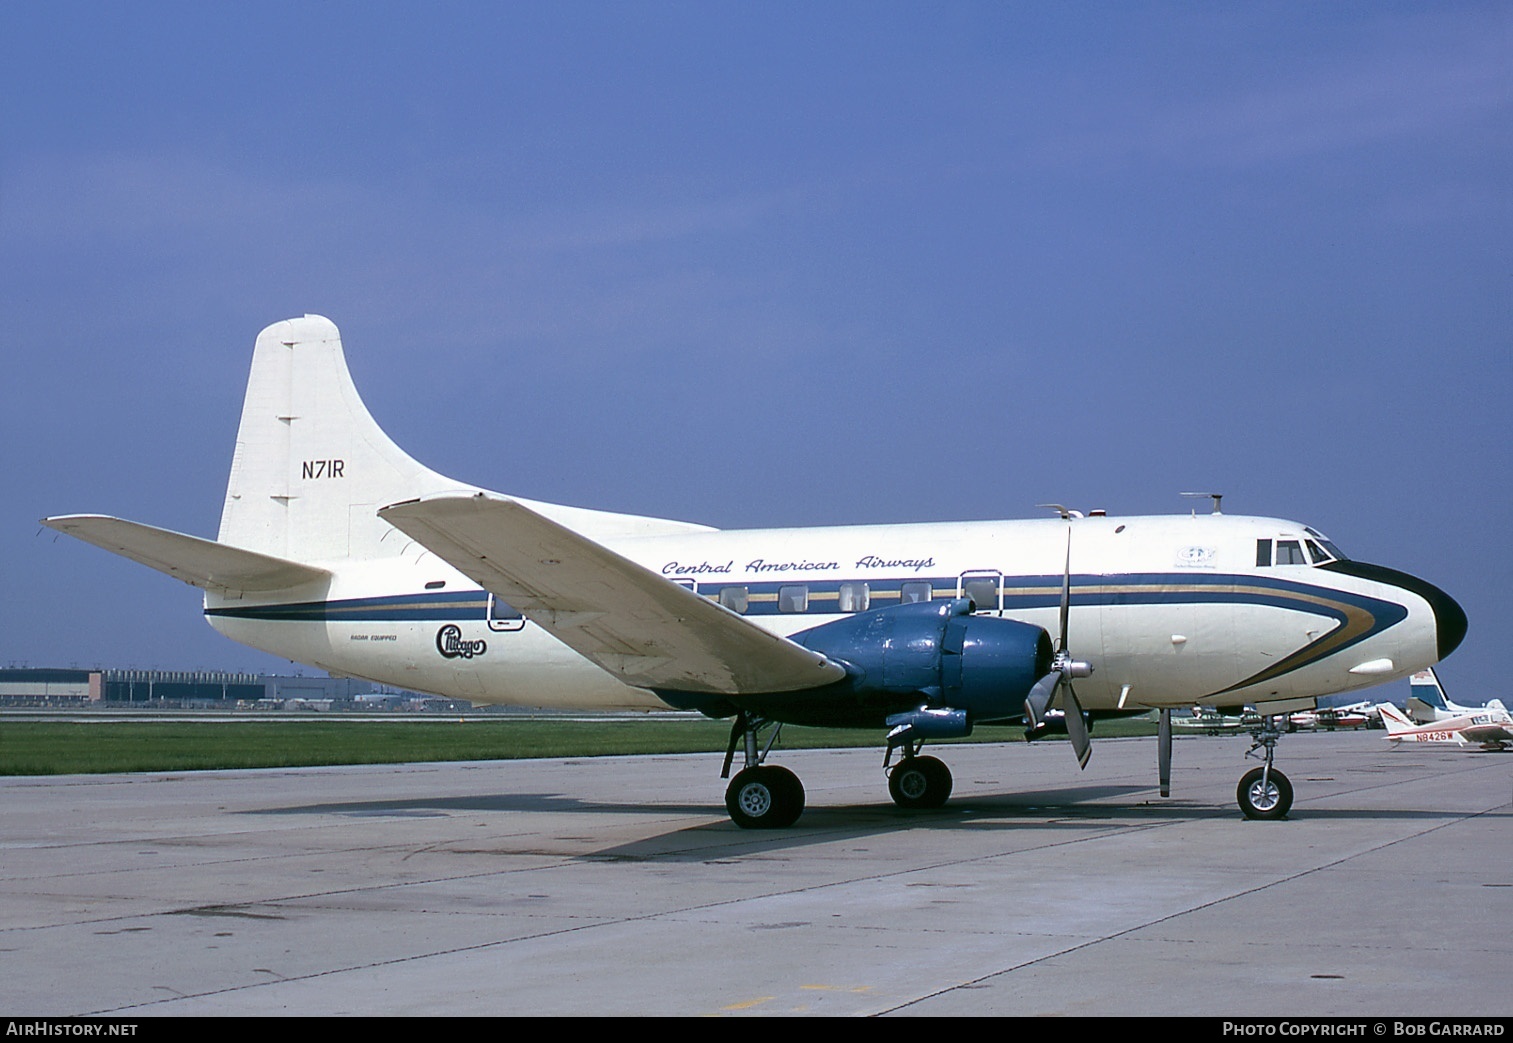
(1173, 610)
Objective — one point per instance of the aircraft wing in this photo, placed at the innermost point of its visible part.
(639, 626)
(200, 563)
(1488, 732)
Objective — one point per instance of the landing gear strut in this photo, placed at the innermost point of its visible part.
(917, 782)
(760, 796)
(1264, 792)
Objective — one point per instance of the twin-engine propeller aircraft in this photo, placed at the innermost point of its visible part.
(337, 549)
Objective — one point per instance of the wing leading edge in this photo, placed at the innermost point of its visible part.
(639, 626)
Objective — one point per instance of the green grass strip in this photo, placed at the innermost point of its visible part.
(96, 746)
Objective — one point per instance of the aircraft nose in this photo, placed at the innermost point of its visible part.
(1449, 617)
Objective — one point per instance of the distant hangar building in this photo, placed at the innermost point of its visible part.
(49, 686)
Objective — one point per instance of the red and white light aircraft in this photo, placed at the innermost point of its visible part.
(1490, 729)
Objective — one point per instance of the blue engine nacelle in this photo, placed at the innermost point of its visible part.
(932, 653)
(936, 652)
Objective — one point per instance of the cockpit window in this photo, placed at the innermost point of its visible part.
(1331, 552)
(1290, 552)
(1298, 552)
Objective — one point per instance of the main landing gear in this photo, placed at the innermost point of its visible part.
(760, 796)
(918, 782)
(1264, 792)
(763, 796)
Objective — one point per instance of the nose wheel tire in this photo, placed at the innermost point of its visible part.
(1268, 798)
(920, 782)
(766, 797)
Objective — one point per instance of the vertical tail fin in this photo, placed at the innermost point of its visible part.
(1393, 718)
(1426, 688)
(312, 466)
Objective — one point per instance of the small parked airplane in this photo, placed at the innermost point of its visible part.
(1207, 720)
(337, 549)
(1427, 701)
(1331, 718)
(1492, 729)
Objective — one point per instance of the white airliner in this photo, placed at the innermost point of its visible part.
(337, 549)
(1491, 729)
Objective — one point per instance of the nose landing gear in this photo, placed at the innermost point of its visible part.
(1264, 792)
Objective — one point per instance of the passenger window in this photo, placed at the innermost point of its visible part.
(915, 591)
(1290, 552)
(854, 597)
(793, 598)
(733, 598)
(1263, 553)
(983, 590)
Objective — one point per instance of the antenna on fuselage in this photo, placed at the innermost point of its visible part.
(1215, 497)
(1065, 512)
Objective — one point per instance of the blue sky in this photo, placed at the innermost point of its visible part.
(766, 264)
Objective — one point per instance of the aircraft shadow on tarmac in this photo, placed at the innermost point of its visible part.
(1037, 803)
(1014, 808)
(713, 835)
(1011, 810)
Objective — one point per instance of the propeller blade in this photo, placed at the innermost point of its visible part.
(1076, 727)
(1066, 590)
(1039, 699)
(1063, 670)
(1164, 751)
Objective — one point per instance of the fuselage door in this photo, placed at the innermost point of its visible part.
(503, 616)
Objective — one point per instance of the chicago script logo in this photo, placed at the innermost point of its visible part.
(450, 644)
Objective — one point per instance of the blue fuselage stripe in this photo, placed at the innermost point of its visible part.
(1018, 593)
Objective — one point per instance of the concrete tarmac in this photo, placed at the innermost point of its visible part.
(618, 886)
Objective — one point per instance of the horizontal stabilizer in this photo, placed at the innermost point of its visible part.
(639, 626)
(1420, 712)
(200, 563)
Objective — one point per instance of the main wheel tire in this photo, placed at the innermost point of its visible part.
(765, 798)
(920, 782)
(1269, 800)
